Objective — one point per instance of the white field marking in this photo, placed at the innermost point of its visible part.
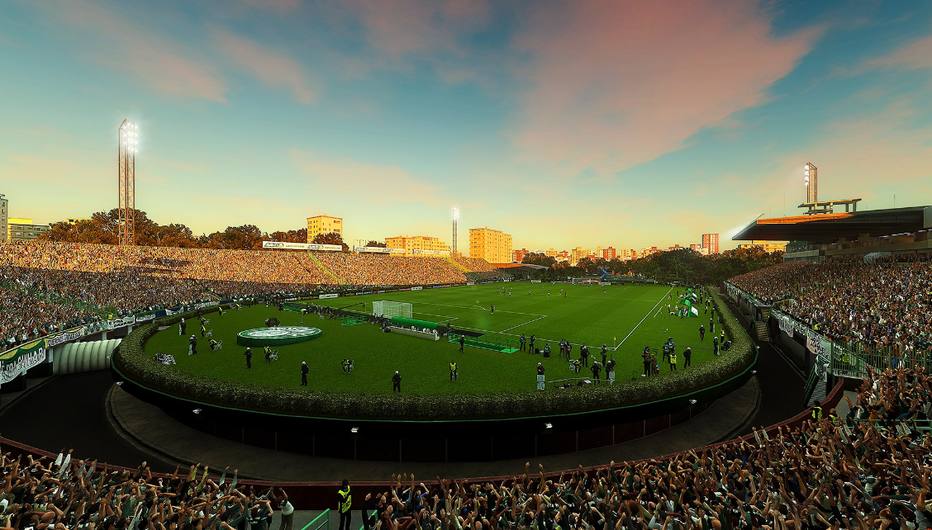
(636, 326)
(446, 318)
(512, 334)
(538, 338)
(523, 324)
(657, 312)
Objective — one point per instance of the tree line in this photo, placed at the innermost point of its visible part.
(682, 265)
(102, 227)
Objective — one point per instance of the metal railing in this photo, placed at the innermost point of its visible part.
(365, 515)
(852, 361)
(317, 524)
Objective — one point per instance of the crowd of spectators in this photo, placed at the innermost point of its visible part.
(869, 469)
(68, 493)
(885, 306)
(47, 286)
(383, 269)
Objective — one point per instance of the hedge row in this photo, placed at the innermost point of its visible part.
(135, 364)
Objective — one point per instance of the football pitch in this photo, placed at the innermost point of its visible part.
(625, 318)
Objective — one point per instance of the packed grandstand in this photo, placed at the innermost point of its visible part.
(883, 305)
(48, 286)
(870, 469)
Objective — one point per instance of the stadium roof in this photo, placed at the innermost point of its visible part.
(832, 227)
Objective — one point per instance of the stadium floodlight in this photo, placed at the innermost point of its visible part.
(128, 144)
(456, 213)
(548, 425)
(129, 136)
(354, 430)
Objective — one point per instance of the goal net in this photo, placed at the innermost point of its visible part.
(390, 309)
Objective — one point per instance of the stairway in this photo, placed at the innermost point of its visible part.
(458, 265)
(818, 391)
(761, 331)
(325, 270)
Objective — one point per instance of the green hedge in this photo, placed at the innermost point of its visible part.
(132, 361)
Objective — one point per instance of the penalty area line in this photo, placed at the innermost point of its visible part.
(523, 324)
(636, 326)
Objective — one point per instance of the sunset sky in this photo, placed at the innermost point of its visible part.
(564, 123)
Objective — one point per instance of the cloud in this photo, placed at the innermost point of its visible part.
(438, 35)
(403, 27)
(380, 184)
(276, 6)
(613, 85)
(878, 154)
(271, 67)
(916, 55)
(127, 46)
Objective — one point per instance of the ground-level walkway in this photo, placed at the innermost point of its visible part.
(152, 430)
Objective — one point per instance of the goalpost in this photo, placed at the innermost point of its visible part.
(391, 309)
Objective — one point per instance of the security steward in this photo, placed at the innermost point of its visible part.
(344, 503)
(453, 373)
(816, 413)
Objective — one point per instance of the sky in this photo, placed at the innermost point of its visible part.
(578, 123)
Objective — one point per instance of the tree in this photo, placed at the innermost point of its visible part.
(100, 228)
(374, 243)
(586, 264)
(173, 235)
(235, 237)
(539, 258)
(290, 236)
(330, 238)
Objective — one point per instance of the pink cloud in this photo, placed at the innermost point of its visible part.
(278, 6)
(916, 55)
(616, 84)
(129, 47)
(402, 27)
(271, 67)
(350, 178)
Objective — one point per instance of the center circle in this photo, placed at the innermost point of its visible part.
(278, 335)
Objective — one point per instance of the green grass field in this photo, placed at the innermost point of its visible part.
(625, 318)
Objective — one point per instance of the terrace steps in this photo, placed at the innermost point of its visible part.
(761, 331)
(325, 270)
(459, 266)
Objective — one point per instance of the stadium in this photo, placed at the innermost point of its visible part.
(240, 379)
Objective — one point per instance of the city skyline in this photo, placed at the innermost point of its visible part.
(549, 121)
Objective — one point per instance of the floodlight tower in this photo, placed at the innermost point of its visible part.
(126, 182)
(456, 218)
(811, 180)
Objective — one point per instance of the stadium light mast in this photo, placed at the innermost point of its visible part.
(455, 213)
(811, 180)
(126, 182)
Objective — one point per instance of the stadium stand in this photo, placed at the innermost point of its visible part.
(883, 306)
(379, 269)
(869, 469)
(45, 286)
(474, 264)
